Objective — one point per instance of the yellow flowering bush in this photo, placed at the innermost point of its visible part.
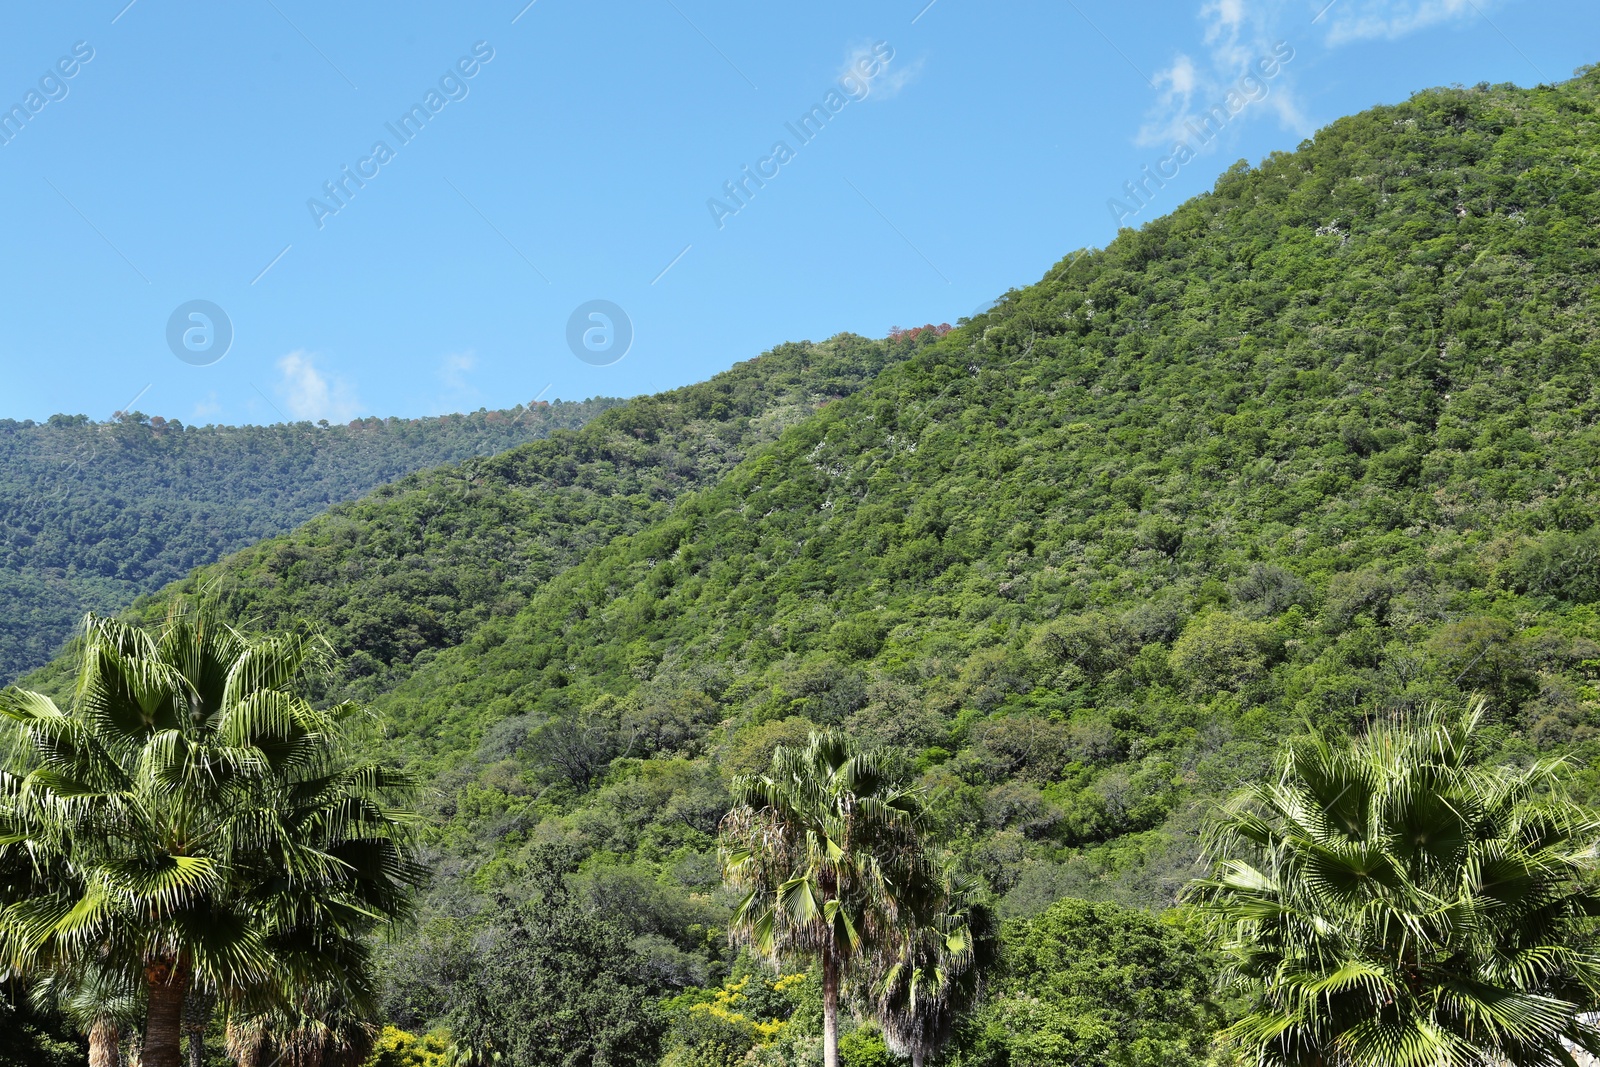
(720, 1027)
(397, 1048)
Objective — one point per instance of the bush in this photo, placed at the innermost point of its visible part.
(864, 1048)
(1562, 565)
(1219, 652)
(396, 1048)
(718, 1028)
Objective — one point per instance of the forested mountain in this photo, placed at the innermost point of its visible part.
(1320, 445)
(92, 514)
(417, 565)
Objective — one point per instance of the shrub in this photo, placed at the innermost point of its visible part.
(397, 1048)
(1219, 651)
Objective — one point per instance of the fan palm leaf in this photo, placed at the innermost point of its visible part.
(1394, 901)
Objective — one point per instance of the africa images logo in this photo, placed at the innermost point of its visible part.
(854, 85)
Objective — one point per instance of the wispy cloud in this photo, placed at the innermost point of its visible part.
(1237, 36)
(891, 75)
(453, 371)
(1364, 20)
(207, 409)
(309, 395)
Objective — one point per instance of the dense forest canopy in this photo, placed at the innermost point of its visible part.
(1320, 446)
(93, 514)
(416, 566)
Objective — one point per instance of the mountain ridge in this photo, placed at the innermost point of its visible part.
(93, 514)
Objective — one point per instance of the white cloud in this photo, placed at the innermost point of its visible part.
(206, 409)
(1238, 34)
(1362, 20)
(891, 77)
(453, 371)
(309, 395)
(1228, 13)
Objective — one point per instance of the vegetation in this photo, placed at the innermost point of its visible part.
(714, 1028)
(1394, 902)
(34, 1037)
(94, 514)
(192, 823)
(419, 565)
(1095, 983)
(558, 986)
(825, 847)
(1320, 446)
(1085, 560)
(936, 973)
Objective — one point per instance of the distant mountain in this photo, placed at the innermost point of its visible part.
(416, 566)
(92, 514)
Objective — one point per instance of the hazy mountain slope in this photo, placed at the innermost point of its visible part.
(1321, 444)
(94, 514)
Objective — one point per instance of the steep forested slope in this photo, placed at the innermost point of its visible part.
(418, 564)
(93, 514)
(1322, 444)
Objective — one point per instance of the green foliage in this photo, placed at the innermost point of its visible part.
(421, 564)
(1094, 983)
(30, 1037)
(1219, 652)
(864, 1047)
(1560, 564)
(192, 822)
(94, 514)
(557, 985)
(923, 987)
(718, 1028)
(1396, 902)
(826, 848)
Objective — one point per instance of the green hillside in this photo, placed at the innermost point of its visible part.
(1320, 445)
(92, 514)
(417, 565)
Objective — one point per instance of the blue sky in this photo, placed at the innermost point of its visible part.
(578, 150)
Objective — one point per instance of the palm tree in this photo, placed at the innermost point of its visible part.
(195, 818)
(1394, 902)
(323, 1030)
(936, 972)
(825, 844)
(99, 999)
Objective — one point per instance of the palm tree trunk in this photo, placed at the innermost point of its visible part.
(197, 1008)
(830, 1010)
(103, 1044)
(169, 981)
(197, 1048)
